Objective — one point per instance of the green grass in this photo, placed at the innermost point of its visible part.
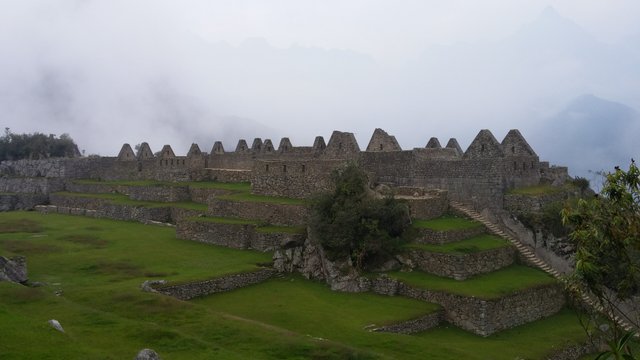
(194, 184)
(310, 308)
(98, 265)
(124, 200)
(246, 196)
(237, 191)
(536, 190)
(486, 286)
(471, 245)
(261, 226)
(446, 223)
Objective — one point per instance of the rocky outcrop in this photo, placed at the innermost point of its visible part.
(13, 269)
(311, 261)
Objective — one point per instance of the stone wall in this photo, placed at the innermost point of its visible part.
(104, 209)
(95, 188)
(160, 193)
(225, 283)
(483, 316)
(462, 266)
(413, 326)
(238, 236)
(428, 206)
(276, 214)
(429, 236)
(13, 269)
(204, 195)
(228, 175)
(516, 203)
(10, 202)
(30, 185)
(293, 178)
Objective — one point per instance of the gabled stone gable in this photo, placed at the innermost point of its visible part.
(144, 152)
(433, 143)
(126, 153)
(514, 144)
(484, 146)
(381, 141)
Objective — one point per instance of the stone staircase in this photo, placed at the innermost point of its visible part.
(533, 259)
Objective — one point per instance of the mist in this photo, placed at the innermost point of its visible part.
(173, 73)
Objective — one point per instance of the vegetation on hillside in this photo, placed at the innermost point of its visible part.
(36, 146)
(352, 223)
(606, 232)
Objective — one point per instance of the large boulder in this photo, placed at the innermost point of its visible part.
(13, 269)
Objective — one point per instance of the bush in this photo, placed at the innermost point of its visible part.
(352, 223)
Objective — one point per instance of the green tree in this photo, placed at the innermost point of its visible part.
(36, 146)
(351, 222)
(606, 232)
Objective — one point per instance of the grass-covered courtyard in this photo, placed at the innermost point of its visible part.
(92, 270)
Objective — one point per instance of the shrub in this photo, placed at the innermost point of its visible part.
(352, 223)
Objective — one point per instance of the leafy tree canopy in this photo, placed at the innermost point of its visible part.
(36, 146)
(607, 235)
(353, 223)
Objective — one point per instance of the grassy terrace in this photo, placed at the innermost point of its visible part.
(193, 184)
(261, 226)
(124, 200)
(486, 286)
(237, 191)
(470, 245)
(98, 265)
(446, 223)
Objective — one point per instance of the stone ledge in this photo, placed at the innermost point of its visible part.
(413, 326)
(238, 236)
(482, 316)
(192, 290)
(435, 237)
(277, 214)
(462, 266)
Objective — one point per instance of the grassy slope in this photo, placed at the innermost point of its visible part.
(491, 285)
(99, 265)
(474, 244)
(446, 223)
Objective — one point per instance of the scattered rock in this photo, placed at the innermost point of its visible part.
(148, 285)
(147, 354)
(56, 325)
(13, 269)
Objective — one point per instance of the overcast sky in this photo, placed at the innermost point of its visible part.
(176, 72)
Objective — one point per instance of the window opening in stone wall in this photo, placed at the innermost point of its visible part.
(515, 165)
(340, 146)
(532, 164)
(304, 168)
(284, 168)
(482, 148)
(182, 161)
(380, 147)
(266, 168)
(171, 162)
(524, 166)
(513, 149)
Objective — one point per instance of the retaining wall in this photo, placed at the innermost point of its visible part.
(428, 236)
(415, 325)
(225, 283)
(238, 236)
(277, 214)
(9, 202)
(159, 193)
(483, 316)
(462, 266)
